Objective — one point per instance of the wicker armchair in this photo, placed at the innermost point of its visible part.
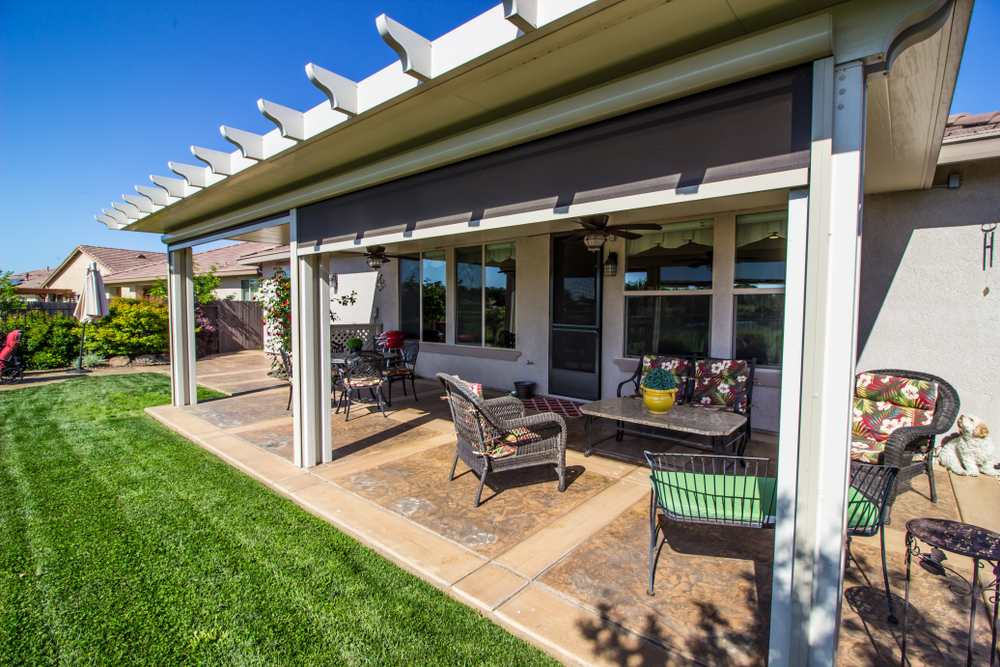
(905, 443)
(494, 435)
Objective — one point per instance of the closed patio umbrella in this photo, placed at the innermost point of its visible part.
(92, 306)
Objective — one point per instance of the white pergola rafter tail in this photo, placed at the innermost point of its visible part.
(156, 194)
(256, 146)
(291, 123)
(341, 91)
(116, 215)
(130, 211)
(414, 50)
(175, 187)
(109, 222)
(224, 164)
(144, 204)
(196, 177)
(521, 13)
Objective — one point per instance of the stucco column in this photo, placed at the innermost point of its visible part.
(180, 293)
(809, 577)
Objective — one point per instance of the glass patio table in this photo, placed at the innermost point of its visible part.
(338, 358)
(622, 413)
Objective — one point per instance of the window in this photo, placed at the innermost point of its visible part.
(247, 289)
(673, 267)
(759, 285)
(676, 258)
(433, 296)
(484, 299)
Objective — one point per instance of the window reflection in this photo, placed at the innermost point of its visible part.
(433, 269)
(501, 272)
(678, 257)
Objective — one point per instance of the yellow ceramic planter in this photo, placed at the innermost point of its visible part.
(658, 401)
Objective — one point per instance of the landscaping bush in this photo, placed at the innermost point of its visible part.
(134, 327)
(46, 342)
(206, 334)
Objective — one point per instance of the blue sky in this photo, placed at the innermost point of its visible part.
(96, 96)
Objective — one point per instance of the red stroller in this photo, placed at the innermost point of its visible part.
(11, 366)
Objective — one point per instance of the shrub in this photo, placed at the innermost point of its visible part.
(659, 379)
(206, 334)
(134, 327)
(91, 360)
(46, 342)
(354, 343)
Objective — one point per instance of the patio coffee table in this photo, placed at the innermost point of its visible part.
(717, 424)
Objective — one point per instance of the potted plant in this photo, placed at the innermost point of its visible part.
(354, 344)
(658, 390)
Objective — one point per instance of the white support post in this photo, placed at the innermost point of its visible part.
(310, 297)
(183, 379)
(806, 622)
(323, 361)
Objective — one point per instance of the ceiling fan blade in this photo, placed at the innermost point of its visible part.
(389, 254)
(652, 226)
(624, 235)
(374, 249)
(588, 224)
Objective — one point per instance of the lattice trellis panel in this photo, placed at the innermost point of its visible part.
(339, 333)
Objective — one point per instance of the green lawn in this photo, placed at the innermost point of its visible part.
(123, 543)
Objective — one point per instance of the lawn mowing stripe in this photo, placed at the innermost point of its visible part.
(234, 574)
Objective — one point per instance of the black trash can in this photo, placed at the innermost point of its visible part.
(524, 389)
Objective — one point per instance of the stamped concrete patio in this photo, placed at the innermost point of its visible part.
(567, 571)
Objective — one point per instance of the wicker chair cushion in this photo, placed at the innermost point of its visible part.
(678, 366)
(904, 392)
(876, 420)
(719, 383)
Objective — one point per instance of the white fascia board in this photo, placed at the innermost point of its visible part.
(481, 35)
(782, 180)
(769, 51)
(964, 151)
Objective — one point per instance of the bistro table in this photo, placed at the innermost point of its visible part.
(963, 539)
(339, 358)
(719, 425)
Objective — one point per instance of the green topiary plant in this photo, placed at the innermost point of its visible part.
(659, 380)
(354, 344)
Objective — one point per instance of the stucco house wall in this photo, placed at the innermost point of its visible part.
(73, 275)
(923, 303)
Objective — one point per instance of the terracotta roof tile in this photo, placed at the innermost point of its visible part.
(31, 279)
(119, 259)
(972, 126)
(223, 259)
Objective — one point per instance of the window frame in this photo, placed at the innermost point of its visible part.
(738, 291)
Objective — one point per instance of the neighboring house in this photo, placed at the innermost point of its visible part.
(748, 142)
(71, 273)
(29, 286)
(238, 281)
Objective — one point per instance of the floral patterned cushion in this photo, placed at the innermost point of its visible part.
(403, 370)
(866, 450)
(364, 382)
(507, 445)
(904, 392)
(721, 383)
(678, 366)
(876, 420)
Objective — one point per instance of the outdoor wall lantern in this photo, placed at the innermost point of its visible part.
(611, 264)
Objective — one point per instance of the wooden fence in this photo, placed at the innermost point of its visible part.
(238, 324)
(49, 308)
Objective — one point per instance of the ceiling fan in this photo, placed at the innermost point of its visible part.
(376, 256)
(596, 230)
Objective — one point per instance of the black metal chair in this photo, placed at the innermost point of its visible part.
(286, 366)
(867, 507)
(494, 435)
(404, 369)
(361, 370)
(708, 489)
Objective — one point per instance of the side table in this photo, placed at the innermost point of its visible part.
(963, 539)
